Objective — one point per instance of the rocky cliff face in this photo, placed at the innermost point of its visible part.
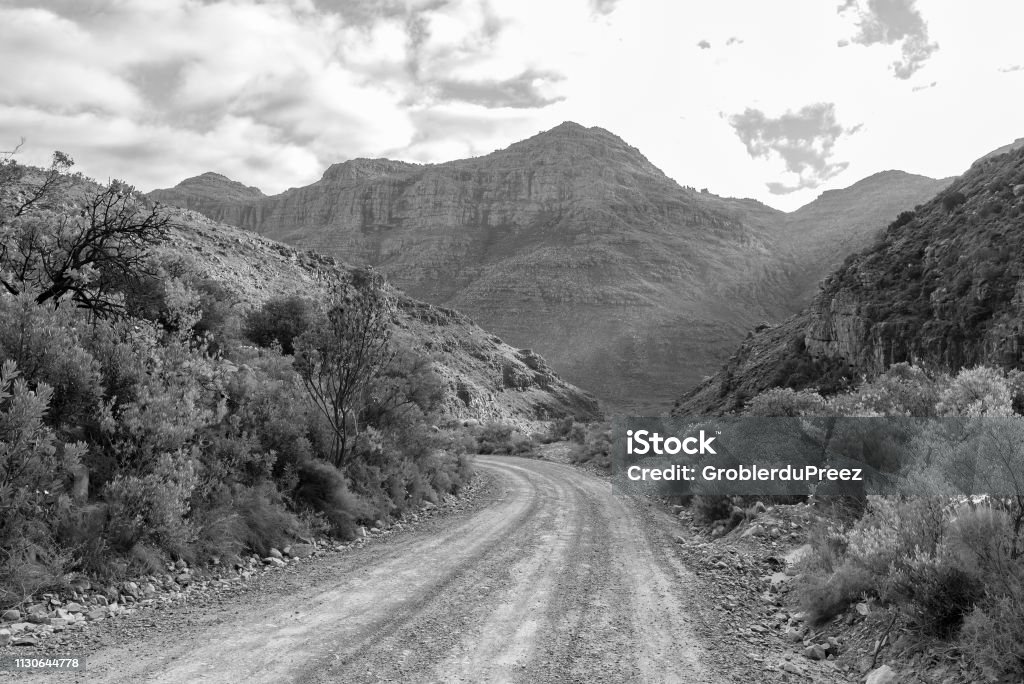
(571, 243)
(484, 378)
(943, 287)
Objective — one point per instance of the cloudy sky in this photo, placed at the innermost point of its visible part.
(773, 100)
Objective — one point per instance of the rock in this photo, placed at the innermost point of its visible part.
(759, 507)
(863, 609)
(276, 562)
(183, 579)
(74, 608)
(428, 505)
(59, 623)
(375, 530)
(881, 675)
(96, 614)
(361, 531)
(25, 640)
(5, 637)
(302, 550)
(130, 588)
(274, 553)
(11, 615)
(180, 565)
(815, 652)
(792, 668)
(18, 627)
(794, 635)
(753, 531)
(778, 580)
(148, 590)
(1018, 190)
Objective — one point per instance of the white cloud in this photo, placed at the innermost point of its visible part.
(272, 92)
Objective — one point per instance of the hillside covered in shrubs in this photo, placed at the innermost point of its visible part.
(175, 389)
(941, 288)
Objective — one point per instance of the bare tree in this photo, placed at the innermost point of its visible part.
(340, 355)
(54, 244)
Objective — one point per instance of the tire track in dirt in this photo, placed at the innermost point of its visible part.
(557, 580)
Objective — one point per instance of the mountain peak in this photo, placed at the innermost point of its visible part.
(573, 131)
(209, 185)
(363, 168)
(570, 143)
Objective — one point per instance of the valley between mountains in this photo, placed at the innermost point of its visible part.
(575, 245)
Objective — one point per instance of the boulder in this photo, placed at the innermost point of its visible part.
(11, 615)
(96, 614)
(753, 531)
(815, 652)
(274, 553)
(882, 675)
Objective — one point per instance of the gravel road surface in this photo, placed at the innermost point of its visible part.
(554, 579)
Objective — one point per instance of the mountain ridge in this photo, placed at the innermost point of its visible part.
(570, 242)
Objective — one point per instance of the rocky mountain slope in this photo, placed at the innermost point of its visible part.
(573, 243)
(942, 287)
(819, 235)
(484, 378)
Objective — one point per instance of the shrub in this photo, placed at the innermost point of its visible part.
(502, 438)
(153, 507)
(824, 598)
(33, 469)
(710, 508)
(937, 592)
(264, 521)
(323, 488)
(281, 319)
(566, 429)
(953, 199)
(596, 447)
(992, 635)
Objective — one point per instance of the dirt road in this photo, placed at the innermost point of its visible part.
(555, 580)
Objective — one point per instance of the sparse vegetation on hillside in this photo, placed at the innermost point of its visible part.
(953, 563)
